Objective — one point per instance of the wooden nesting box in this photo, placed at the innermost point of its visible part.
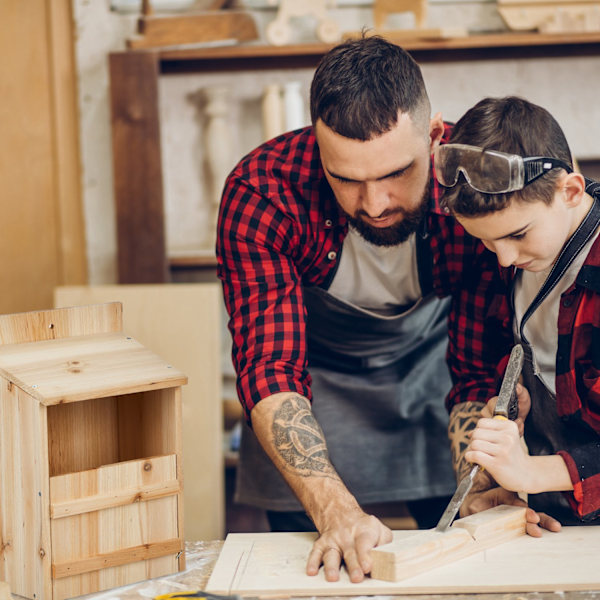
(90, 455)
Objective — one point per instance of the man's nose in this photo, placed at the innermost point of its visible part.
(375, 199)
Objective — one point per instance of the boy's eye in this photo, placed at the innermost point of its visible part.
(518, 236)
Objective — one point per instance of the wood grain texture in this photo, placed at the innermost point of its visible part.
(5, 591)
(77, 368)
(275, 563)
(41, 325)
(42, 235)
(194, 28)
(430, 549)
(137, 168)
(25, 546)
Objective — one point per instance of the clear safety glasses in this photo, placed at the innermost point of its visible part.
(490, 171)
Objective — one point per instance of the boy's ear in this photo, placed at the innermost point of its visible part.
(574, 186)
(436, 130)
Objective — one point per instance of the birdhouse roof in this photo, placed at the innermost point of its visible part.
(85, 367)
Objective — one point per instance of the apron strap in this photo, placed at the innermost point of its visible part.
(424, 258)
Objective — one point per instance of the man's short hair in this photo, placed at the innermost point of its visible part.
(361, 85)
(515, 126)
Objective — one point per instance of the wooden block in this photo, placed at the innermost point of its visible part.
(193, 29)
(427, 550)
(4, 591)
(494, 526)
(421, 552)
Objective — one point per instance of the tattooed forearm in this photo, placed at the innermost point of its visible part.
(463, 420)
(299, 439)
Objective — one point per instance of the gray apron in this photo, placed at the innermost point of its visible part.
(546, 434)
(378, 388)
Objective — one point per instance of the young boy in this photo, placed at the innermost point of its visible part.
(511, 184)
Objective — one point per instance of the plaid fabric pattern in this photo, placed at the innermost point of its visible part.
(578, 377)
(280, 228)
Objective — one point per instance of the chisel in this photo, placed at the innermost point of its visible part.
(506, 408)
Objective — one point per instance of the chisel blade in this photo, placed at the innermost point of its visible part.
(464, 487)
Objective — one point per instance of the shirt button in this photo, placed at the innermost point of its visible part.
(328, 223)
(331, 255)
(567, 302)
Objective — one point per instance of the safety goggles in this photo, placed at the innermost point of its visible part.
(490, 171)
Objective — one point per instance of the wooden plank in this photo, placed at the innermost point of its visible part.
(427, 550)
(86, 367)
(137, 168)
(66, 153)
(182, 323)
(25, 533)
(118, 498)
(116, 558)
(41, 325)
(29, 241)
(114, 536)
(109, 578)
(194, 28)
(274, 564)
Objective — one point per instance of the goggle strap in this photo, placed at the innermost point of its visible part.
(535, 169)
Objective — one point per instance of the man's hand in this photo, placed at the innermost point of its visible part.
(293, 439)
(350, 538)
(478, 501)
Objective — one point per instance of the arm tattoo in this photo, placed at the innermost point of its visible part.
(299, 439)
(463, 420)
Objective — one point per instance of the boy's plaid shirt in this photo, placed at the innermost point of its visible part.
(577, 373)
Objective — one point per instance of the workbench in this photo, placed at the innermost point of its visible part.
(202, 556)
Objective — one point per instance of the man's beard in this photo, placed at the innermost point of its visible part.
(395, 234)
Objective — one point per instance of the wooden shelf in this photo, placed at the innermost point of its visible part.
(478, 41)
(489, 45)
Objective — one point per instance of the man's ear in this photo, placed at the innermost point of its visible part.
(436, 130)
(574, 186)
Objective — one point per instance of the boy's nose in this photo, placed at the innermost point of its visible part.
(507, 256)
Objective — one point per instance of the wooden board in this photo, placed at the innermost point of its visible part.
(275, 563)
(182, 324)
(197, 28)
(430, 549)
(42, 242)
(74, 369)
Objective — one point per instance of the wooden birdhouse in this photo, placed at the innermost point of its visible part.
(90, 455)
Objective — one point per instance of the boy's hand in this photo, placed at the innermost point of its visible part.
(536, 522)
(524, 401)
(496, 446)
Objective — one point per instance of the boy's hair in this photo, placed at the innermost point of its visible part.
(360, 86)
(515, 126)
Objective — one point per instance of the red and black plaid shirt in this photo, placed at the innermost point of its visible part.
(280, 229)
(577, 375)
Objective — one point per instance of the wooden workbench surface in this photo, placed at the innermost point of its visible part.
(202, 556)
